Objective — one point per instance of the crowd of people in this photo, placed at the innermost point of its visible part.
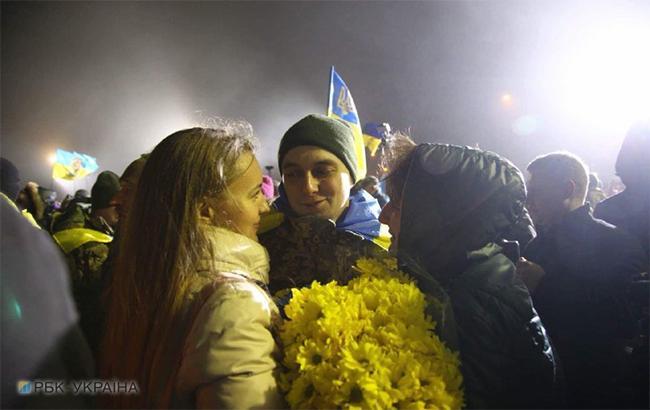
(174, 274)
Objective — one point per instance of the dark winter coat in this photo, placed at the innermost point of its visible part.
(458, 205)
(630, 211)
(85, 255)
(581, 300)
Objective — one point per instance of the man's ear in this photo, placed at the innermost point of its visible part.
(568, 189)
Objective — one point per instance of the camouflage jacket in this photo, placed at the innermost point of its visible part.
(309, 248)
(84, 255)
(85, 259)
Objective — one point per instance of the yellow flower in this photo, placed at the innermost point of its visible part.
(367, 345)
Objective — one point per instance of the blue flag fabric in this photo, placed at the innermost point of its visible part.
(341, 102)
(341, 105)
(73, 165)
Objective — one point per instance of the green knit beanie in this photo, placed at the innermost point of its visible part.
(327, 133)
(105, 188)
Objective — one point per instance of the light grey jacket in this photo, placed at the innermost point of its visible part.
(229, 356)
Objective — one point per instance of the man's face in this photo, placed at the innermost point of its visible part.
(547, 199)
(316, 182)
(124, 198)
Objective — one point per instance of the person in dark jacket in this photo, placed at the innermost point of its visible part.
(86, 239)
(587, 265)
(630, 209)
(9, 179)
(452, 214)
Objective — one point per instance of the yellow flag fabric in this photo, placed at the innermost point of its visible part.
(341, 106)
(73, 165)
(71, 239)
(372, 143)
(384, 238)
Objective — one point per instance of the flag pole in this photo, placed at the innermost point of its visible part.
(330, 92)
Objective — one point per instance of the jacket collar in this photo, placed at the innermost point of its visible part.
(361, 216)
(235, 253)
(568, 223)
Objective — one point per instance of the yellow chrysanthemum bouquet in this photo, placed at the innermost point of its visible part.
(368, 344)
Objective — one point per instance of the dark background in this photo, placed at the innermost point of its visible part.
(111, 79)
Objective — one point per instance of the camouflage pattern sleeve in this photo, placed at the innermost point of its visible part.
(309, 248)
(87, 285)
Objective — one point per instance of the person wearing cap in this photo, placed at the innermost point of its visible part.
(85, 239)
(122, 202)
(128, 185)
(10, 191)
(324, 229)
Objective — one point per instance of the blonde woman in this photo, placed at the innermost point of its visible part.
(190, 318)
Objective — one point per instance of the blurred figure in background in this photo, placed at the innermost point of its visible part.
(128, 185)
(630, 209)
(268, 188)
(9, 179)
(595, 193)
(578, 271)
(122, 202)
(51, 205)
(371, 185)
(85, 240)
(30, 201)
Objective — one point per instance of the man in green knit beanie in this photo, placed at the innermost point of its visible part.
(325, 229)
(318, 165)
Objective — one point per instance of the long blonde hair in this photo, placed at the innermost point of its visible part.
(159, 252)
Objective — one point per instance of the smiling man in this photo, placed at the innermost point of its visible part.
(325, 228)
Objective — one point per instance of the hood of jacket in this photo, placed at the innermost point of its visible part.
(457, 200)
(234, 253)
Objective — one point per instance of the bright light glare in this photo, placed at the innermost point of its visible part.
(525, 125)
(506, 100)
(605, 81)
(51, 159)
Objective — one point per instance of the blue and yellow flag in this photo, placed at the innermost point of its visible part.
(72, 165)
(341, 106)
(374, 134)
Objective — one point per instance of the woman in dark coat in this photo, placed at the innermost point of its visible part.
(454, 215)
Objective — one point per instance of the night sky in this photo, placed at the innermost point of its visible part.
(111, 79)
